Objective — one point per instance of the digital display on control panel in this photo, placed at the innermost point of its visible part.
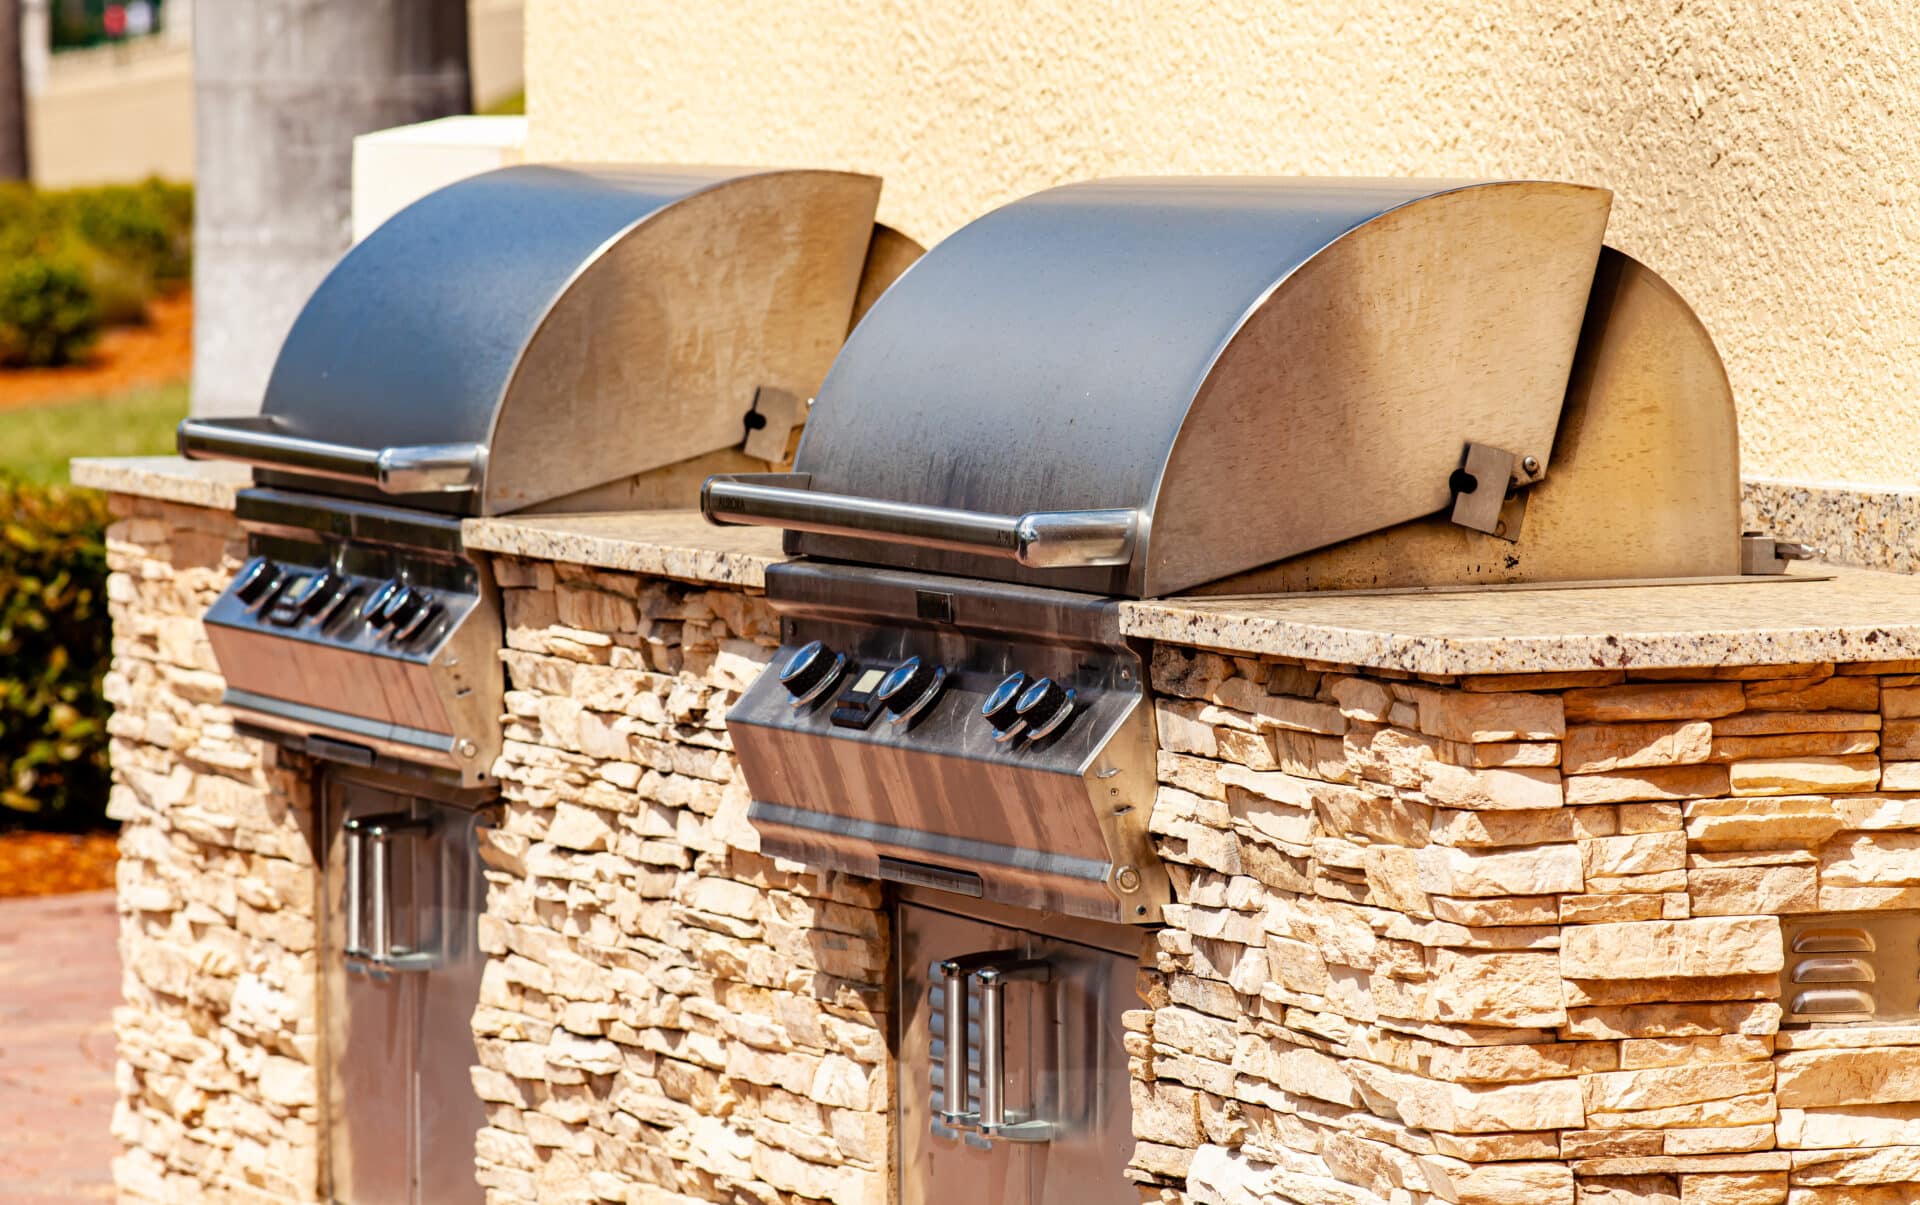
(856, 706)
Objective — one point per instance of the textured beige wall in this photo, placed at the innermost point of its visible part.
(1763, 154)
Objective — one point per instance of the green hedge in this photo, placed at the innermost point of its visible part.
(54, 647)
(77, 259)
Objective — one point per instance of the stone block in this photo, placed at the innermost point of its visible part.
(1814, 694)
(1658, 783)
(1491, 790)
(1747, 890)
(1761, 823)
(1654, 701)
(1600, 748)
(1792, 776)
(1815, 1079)
(1524, 871)
(1461, 716)
(1672, 949)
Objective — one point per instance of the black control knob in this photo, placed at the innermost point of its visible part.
(422, 618)
(256, 581)
(811, 670)
(1045, 706)
(905, 683)
(374, 609)
(1001, 707)
(405, 603)
(910, 688)
(319, 592)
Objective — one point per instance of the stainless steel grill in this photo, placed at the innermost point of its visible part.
(1138, 388)
(534, 338)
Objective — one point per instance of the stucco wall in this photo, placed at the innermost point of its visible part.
(1763, 155)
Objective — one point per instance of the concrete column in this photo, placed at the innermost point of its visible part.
(280, 89)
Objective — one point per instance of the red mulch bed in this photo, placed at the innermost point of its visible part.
(158, 352)
(55, 863)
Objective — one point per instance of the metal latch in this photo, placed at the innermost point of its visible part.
(369, 892)
(1486, 493)
(770, 423)
(1761, 553)
(993, 970)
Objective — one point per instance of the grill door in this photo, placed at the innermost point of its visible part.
(401, 967)
(1063, 1068)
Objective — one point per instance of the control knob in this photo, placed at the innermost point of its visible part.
(403, 606)
(257, 581)
(374, 609)
(910, 688)
(423, 615)
(318, 593)
(1045, 706)
(1002, 706)
(811, 671)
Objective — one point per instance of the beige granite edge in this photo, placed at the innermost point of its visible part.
(1858, 616)
(672, 544)
(210, 483)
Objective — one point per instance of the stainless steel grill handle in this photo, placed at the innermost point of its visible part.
(368, 891)
(355, 843)
(412, 469)
(954, 973)
(993, 1043)
(1048, 539)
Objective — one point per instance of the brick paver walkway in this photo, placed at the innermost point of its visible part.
(59, 982)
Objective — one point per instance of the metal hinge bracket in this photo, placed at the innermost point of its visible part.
(1487, 493)
(770, 423)
(1761, 554)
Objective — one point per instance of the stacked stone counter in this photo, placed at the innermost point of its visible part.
(666, 1014)
(218, 1033)
(1515, 937)
(1480, 897)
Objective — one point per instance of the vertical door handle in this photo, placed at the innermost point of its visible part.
(369, 889)
(955, 973)
(356, 946)
(993, 1042)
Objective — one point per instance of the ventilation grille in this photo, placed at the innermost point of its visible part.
(1862, 966)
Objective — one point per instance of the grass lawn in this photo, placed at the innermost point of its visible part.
(37, 441)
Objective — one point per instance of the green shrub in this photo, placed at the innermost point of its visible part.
(54, 648)
(48, 311)
(147, 227)
(122, 242)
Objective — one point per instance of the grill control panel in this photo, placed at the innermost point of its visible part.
(1858, 966)
(363, 649)
(997, 739)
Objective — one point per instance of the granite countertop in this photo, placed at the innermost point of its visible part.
(209, 483)
(1818, 614)
(1853, 615)
(665, 543)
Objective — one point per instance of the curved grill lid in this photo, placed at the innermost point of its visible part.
(532, 332)
(1228, 372)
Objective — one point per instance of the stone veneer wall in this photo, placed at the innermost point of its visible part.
(667, 1015)
(217, 1034)
(1515, 939)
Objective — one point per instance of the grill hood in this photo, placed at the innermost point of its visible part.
(1140, 387)
(525, 335)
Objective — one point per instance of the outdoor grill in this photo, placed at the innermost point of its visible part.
(1140, 388)
(536, 338)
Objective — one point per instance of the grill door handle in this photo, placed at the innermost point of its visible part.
(369, 889)
(993, 1044)
(410, 469)
(955, 972)
(1047, 539)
